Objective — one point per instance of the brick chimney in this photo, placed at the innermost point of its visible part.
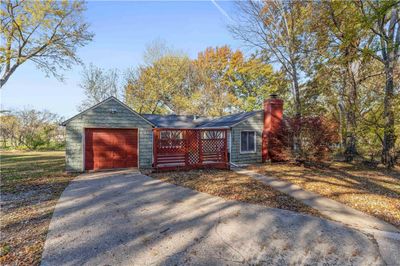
(273, 114)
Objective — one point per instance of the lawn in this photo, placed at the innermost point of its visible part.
(375, 191)
(233, 186)
(31, 183)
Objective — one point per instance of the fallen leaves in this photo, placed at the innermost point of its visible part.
(372, 190)
(230, 185)
(31, 185)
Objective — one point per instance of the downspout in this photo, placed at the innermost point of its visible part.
(235, 165)
(230, 144)
(230, 149)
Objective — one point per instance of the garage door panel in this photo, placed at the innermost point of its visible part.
(130, 152)
(103, 164)
(110, 148)
(103, 139)
(102, 156)
(119, 156)
(103, 149)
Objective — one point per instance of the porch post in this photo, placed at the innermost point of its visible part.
(200, 147)
(155, 142)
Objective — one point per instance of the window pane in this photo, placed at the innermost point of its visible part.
(251, 144)
(243, 141)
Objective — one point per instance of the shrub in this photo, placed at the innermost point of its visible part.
(318, 136)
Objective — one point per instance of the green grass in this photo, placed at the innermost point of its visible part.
(31, 183)
(18, 167)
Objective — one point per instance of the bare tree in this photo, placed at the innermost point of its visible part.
(157, 49)
(98, 84)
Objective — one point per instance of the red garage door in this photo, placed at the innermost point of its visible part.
(110, 148)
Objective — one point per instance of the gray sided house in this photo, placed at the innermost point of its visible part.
(111, 127)
(245, 135)
(109, 114)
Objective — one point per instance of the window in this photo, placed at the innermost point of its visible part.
(171, 134)
(212, 134)
(247, 141)
(171, 139)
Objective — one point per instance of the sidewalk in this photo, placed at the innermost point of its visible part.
(387, 235)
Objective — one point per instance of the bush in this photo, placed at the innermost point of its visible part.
(318, 136)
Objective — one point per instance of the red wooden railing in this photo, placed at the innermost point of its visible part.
(190, 148)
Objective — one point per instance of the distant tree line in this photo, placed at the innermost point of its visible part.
(31, 129)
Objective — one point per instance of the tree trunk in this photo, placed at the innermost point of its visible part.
(341, 127)
(389, 138)
(7, 75)
(297, 105)
(351, 136)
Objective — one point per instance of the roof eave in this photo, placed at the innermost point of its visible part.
(241, 121)
(173, 128)
(223, 127)
(98, 104)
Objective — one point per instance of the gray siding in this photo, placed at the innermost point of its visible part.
(101, 117)
(254, 123)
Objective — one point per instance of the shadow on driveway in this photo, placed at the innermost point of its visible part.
(126, 218)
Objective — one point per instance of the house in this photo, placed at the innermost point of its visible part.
(112, 135)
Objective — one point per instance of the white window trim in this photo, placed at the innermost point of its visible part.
(255, 142)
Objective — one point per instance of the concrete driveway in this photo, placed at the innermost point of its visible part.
(125, 218)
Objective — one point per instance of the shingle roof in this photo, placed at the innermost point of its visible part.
(229, 120)
(180, 121)
(111, 98)
(176, 121)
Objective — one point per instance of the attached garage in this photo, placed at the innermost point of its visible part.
(107, 148)
(108, 135)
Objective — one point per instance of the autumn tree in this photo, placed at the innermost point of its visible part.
(162, 87)
(276, 28)
(219, 81)
(254, 81)
(230, 82)
(46, 33)
(339, 61)
(382, 18)
(161, 83)
(216, 68)
(9, 126)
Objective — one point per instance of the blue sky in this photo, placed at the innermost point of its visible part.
(122, 30)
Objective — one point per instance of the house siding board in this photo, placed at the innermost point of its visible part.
(254, 123)
(100, 117)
